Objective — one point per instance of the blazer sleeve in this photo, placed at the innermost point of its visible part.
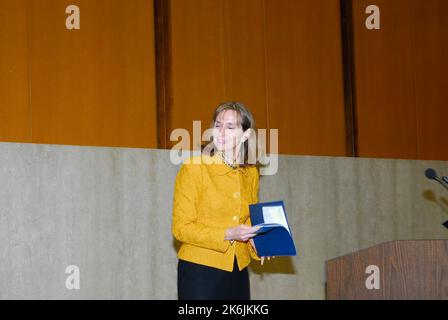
(255, 189)
(185, 226)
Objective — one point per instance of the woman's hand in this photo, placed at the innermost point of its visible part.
(252, 243)
(241, 233)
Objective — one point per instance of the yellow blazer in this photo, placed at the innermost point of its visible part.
(210, 197)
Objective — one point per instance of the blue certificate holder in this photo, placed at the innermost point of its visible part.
(274, 237)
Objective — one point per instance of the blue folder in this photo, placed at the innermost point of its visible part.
(271, 239)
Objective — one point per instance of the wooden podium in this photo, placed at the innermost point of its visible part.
(410, 269)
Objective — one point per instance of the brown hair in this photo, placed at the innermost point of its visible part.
(245, 119)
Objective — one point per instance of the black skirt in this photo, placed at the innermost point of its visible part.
(199, 282)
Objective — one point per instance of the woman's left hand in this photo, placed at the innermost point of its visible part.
(252, 243)
(263, 258)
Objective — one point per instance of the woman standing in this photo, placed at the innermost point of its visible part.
(211, 211)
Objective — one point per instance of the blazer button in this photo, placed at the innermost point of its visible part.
(235, 218)
(236, 195)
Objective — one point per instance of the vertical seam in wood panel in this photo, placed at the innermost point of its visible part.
(162, 38)
(28, 57)
(348, 67)
(266, 81)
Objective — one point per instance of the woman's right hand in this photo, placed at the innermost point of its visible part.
(241, 233)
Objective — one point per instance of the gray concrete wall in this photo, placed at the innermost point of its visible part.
(108, 211)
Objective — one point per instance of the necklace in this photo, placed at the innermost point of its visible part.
(233, 164)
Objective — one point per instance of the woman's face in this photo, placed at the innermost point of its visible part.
(227, 132)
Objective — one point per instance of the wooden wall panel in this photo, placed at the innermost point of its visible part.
(96, 85)
(246, 56)
(401, 79)
(15, 121)
(217, 49)
(430, 30)
(281, 58)
(384, 82)
(304, 72)
(198, 83)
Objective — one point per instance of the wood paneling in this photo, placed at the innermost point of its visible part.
(430, 30)
(245, 56)
(198, 83)
(384, 82)
(15, 114)
(96, 86)
(281, 58)
(217, 55)
(304, 72)
(401, 79)
(93, 86)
